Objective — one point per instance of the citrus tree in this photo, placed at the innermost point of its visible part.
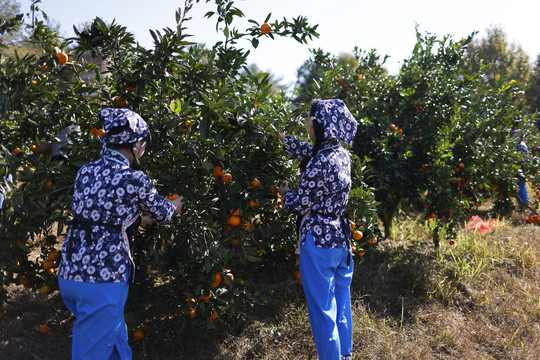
(434, 137)
(208, 115)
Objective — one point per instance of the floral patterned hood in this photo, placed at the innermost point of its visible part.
(336, 119)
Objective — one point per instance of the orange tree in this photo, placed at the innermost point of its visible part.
(436, 136)
(208, 116)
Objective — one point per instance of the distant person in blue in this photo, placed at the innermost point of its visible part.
(522, 196)
(97, 265)
(324, 244)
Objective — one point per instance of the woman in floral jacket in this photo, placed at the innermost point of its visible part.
(324, 230)
(97, 265)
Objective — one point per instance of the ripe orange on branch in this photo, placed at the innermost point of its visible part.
(218, 171)
(235, 220)
(174, 197)
(227, 178)
(62, 57)
(357, 235)
(53, 255)
(266, 28)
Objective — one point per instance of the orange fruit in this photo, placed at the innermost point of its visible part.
(138, 334)
(235, 242)
(236, 212)
(62, 57)
(357, 235)
(361, 253)
(247, 225)
(205, 298)
(101, 132)
(255, 182)
(218, 171)
(253, 203)
(214, 314)
(53, 255)
(235, 220)
(265, 28)
(192, 313)
(48, 264)
(174, 197)
(44, 329)
(190, 302)
(16, 151)
(93, 131)
(353, 225)
(24, 281)
(217, 280)
(119, 102)
(228, 275)
(227, 178)
(393, 127)
(297, 274)
(45, 289)
(187, 123)
(420, 138)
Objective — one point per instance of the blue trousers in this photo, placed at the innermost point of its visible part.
(326, 279)
(100, 332)
(522, 196)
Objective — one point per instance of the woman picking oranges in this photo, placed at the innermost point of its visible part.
(96, 265)
(320, 201)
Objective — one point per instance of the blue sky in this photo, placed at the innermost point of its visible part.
(386, 25)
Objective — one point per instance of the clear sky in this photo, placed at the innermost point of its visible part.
(386, 25)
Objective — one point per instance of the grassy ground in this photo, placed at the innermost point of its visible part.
(478, 299)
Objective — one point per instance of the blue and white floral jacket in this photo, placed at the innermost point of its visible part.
(108, 198)
(323, 193)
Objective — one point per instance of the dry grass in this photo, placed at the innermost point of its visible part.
(478, 299)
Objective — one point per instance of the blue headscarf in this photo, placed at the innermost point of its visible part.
(336, 120)
(136, 128)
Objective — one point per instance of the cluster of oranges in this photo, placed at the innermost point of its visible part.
(533, 219)
(97, 132)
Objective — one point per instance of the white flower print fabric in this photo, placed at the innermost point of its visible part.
(108, 194)
(323, 192)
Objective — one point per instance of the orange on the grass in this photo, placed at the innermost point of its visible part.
(44, 329)
(357, 235)
(45, 289)
(226, 178)
(218, 171)
(24, 281)
(138, 334)
(266, 28)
